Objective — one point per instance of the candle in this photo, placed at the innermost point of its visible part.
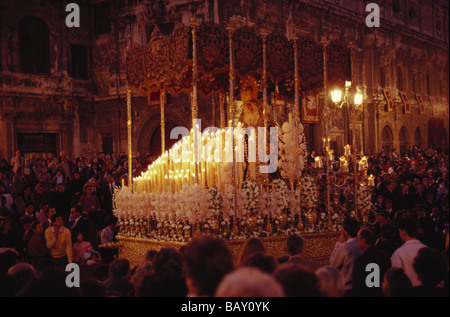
(252, 154)
(361, 165)
(347, 151)
(318, 162)
(345, 167)
(371, 180)
(330, 155)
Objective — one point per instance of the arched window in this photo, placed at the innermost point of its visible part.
(34, 45)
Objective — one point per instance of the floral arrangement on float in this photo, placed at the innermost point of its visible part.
(198, 210)
(287, 205)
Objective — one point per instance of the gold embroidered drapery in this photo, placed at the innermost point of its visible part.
(167, 61)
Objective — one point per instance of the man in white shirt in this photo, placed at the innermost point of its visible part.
(346, 251)
(404, 256)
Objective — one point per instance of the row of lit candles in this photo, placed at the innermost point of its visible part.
(343, 159)
(178, 166)
(362, 163)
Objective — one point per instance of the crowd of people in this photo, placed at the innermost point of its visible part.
(56, 210)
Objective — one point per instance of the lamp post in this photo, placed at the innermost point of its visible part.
(336, 96)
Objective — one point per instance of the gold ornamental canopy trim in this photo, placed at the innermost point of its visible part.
(168, 61)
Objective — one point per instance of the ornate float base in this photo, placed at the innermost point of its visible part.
(318, 247)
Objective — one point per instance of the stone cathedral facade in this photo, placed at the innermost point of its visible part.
(64, 89)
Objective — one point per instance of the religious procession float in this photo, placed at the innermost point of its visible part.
(248, 177)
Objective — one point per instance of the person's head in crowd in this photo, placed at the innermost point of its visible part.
(111, 221)
(26, 190)
(380, 200)
(167, 278)
(3, 188)
(350, 228)
(92, 288)
(407, 229)
(6, 225)
(392, 186)
(297, 281)
(35, 228)
(366, 238)
(404, 214)
(57, 220)
(436, 212)
(150, 255)
(39, 189)
(50, 211)
(120, 268)
(388, 204)
(430, 266)
(263, 261)
(21, 274)
(142, 270)
(420, 189)
(76, 212)
(8, 258)
(168, 262)
(80, 237)
(249, 282)
(395, 279)
(426, 225)
(29, 209)
(380, 216)
(206, 261)
(387, 231)
(26, 222)
(61, 188)
(76, 175)
(420, 211)
(295, 244)
(251, 246)
(330, 282)
(50, 283)
(95, 257)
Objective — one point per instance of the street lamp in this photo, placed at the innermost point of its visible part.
(336, 97)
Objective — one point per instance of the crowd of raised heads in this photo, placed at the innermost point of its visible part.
(36, 187)
(205, 267)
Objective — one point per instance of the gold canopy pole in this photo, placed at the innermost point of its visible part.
(297, 109)
(162, 101)
(353, 117)
(194, 106)
(222, 112)
(264, 34)
(194, 25)
(296, 83)
(213, 110)
(130, 150)
(325, 120)
(230, 28)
